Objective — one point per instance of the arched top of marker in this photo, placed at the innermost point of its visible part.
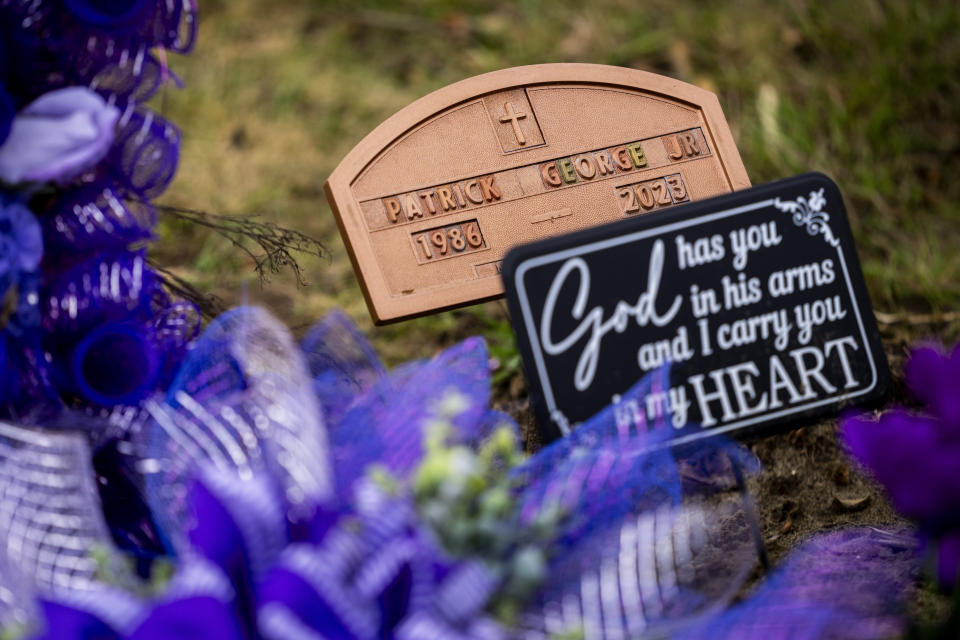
(430, 201)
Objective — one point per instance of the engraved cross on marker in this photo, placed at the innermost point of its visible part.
(514, 119)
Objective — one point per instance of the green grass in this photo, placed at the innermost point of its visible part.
(278, 92)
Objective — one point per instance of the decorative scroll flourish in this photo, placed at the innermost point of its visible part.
(809, 212)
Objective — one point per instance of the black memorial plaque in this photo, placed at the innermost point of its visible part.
(756, 299)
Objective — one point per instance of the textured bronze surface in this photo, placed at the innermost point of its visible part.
(431, 200)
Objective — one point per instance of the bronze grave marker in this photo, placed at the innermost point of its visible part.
(431, 200)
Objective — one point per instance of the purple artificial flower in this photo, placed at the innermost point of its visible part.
(58, 136)
(915, 460)
(21, 243)
(934, 378)
(915, 457)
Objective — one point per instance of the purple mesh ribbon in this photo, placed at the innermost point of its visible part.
(103, 331)
(17, 605)
(121, 363)
(120, 483)
(236, 527)
(109, 287)
(375, 574)
(242, 401)
(639, 549)
(50, 520)
(114, 287)
(51, 514)
(238, 524)
(93, 613)
(654, 572)
(116, 363)
(385, 425)
(844, 584)
(341, 362)
(104, 45)
(196, 604)
(101, 302)
(601, 469)
(114, 333)
(371, 574)
(96, 217)
(178, 323)
(30, 395)
(144, 154)
(136, 76)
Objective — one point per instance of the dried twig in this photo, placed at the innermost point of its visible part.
(210, 305)
(277, 244)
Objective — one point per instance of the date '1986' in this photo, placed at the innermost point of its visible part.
(448, 241)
